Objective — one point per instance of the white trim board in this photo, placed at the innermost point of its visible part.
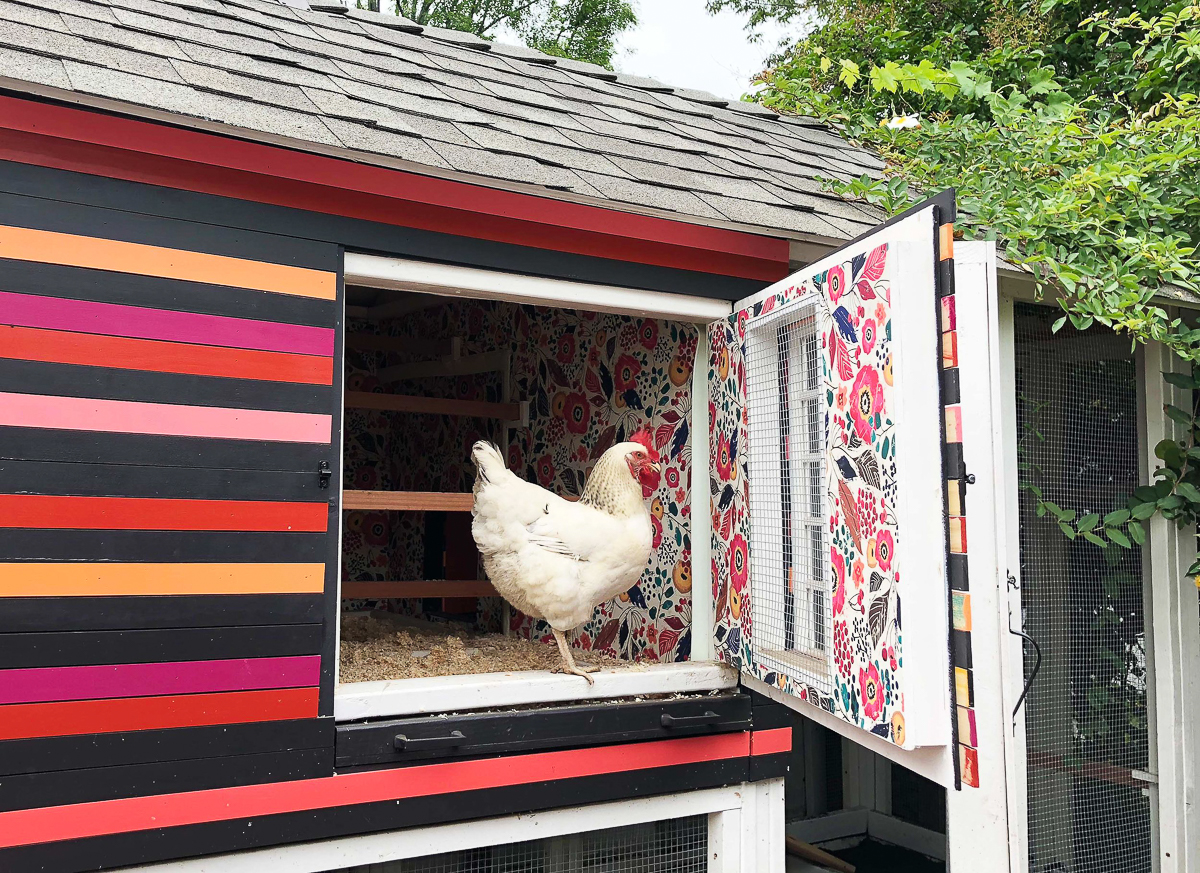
(932, 762)
(440, 694)
(380, 848)
(374, 271)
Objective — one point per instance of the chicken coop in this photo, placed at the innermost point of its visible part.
(268, 273)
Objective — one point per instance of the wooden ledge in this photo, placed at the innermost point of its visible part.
(432, 501)
(432, 405)
(418, 588)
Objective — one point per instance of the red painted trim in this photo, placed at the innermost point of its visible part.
(27, 827)
(74, 717)
(771, 742)
(159, 513)
(92, 142)
(97, 350)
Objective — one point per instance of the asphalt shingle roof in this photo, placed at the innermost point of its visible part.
(385, 87)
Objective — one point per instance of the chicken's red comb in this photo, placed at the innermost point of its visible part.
(645, 439)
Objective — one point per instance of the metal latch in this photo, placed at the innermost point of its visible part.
(324, 474)
(403, 743)
(678, 721)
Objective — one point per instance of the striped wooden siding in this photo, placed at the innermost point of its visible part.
(167, 392)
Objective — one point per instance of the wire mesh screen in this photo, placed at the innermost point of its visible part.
(1085, 718)
(789, 557)
(672, 846)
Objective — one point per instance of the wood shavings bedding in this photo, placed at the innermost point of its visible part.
(378, 646)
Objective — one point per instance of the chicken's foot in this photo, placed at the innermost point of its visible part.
(569, 659)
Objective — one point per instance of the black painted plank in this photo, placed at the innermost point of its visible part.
(47, 614)
(179, 744)
(162, 546)
(549, 728)
(79, 856)
(194, 236)
(333, 544)
(126, 480)
(38, 444)
(76, 648)
(367, 236)
(128, 289)
(34, 790)
(106, 383)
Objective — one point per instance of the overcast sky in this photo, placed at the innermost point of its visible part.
(680, 44)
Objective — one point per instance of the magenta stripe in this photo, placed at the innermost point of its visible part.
(45, 684)
(113, 319)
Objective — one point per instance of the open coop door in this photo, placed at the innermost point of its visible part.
(837, 490)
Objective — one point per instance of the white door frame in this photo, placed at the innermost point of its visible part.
(745, 834)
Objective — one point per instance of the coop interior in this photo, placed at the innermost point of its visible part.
(426, 377)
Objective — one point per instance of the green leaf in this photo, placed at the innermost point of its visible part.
(1115, 535)
(1188, 492)
(1181, 380)
(1144, 510)
(1092, 538)
(1136, 532)
(1088, 522)
(1178, 415)
(1119, 516)
(1068, 531)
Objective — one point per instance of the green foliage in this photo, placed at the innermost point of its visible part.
(586, 30)
(1072, 135)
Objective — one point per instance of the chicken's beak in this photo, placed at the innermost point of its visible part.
(656, 467)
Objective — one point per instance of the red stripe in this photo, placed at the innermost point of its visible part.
(26, 827)
(91, 142)
(62, 347)
(771, 742)
(71, 718)
(159, 513)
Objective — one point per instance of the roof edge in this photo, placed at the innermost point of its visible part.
(21, 88)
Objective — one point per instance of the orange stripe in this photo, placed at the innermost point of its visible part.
(85, 349)
(945, 242)
(50, 247)
(159, 513)
(27, 720)
(104, 579)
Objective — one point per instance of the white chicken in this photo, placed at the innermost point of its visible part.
(556, 559)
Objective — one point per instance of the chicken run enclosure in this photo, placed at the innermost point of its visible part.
(426, 377)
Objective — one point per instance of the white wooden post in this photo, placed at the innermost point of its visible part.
(1173, 627)
(977, 819)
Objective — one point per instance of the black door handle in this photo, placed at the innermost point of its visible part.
(678, 721)
(1037, 665)
(405, 744)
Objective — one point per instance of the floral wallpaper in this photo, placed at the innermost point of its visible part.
(591, 380)
(864, 686)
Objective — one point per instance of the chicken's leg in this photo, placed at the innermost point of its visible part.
(569, 659)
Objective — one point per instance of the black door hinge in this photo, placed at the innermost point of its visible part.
(324, 474)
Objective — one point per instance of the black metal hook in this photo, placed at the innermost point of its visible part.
(1037, 665)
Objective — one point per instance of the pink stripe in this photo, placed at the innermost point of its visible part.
(54, 313)
(44, 684)
(162, 419)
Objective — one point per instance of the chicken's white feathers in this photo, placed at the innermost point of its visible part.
(553, 558)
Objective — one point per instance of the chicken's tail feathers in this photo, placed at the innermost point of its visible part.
(489, 463)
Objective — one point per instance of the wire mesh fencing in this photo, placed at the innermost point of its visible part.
(789, 555)
(1088, 752)
(671, 846)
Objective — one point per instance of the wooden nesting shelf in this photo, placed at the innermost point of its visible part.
(432, 501)
(432, 405)
(418, 588)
